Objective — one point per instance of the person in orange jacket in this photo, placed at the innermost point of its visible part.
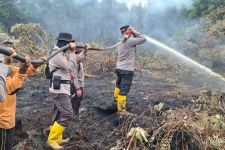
(13, 83)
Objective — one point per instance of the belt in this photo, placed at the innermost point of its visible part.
(65, 82)
(62, 82)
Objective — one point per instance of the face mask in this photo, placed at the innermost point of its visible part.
(1, 58)
(2, 89)
(3, 74)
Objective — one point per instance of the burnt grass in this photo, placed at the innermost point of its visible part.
(97, 129)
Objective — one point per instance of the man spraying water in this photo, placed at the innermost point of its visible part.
(125, 65)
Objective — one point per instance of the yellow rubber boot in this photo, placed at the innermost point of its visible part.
(61, 141)
(121, 104)
(116, 93)
(55, 134)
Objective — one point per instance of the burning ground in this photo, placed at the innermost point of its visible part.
(175, 113)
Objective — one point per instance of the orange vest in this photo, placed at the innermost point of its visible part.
(8, 106)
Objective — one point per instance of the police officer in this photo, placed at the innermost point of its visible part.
(62, 67)
(130, 38)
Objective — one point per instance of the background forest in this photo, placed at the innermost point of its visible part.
(195, 27)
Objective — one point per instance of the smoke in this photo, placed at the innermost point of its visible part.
(157, 5)
(167, 19)
(161, 6)
(132, 3)
(100, 20)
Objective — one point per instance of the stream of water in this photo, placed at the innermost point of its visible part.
(187, 59)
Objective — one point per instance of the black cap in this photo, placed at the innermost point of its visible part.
(65, 37)
(123, 28)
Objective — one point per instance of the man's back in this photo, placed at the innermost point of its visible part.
(127, 50)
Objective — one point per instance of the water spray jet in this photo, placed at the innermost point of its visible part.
(183, 57)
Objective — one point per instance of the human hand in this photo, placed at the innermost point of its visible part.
(87, 48)
(72, 46)
(24, 65)
(79, 92)
(132, 30)
(8, 59)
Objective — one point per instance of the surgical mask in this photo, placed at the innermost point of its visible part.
(2, 89)
(3, 74)
(1, 58)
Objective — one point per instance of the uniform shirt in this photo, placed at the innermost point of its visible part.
(8, 106)
(67, 68)
(78, 78)
(127, 50)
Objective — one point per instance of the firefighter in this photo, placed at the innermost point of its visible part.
(62, 67)
(8, 106)
(130, 38)
(77, 88)
(13, 83)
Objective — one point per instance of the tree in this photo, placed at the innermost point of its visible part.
(10, 14)
(204, 7)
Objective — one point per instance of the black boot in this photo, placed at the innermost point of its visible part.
(107, 110)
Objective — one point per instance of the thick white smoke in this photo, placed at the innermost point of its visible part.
(157, 5)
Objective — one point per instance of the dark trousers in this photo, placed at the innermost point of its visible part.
(75, 100)
(6, 139)
(62, 111)
(124, 81)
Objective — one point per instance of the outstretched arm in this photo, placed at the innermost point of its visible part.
(14, 83)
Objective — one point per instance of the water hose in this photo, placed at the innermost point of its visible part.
(83, 47)
(99, 49)
(20, 58)
(7, 52)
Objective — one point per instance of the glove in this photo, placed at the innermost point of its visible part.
(79, 92)
(24, 66)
